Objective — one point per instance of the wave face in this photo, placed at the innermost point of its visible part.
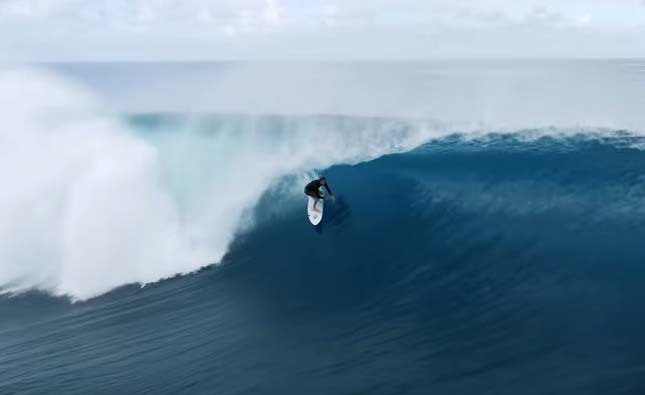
(502, 264)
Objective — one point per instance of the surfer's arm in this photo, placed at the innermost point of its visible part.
(328, 190)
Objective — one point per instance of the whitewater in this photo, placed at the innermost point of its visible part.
(115, 174)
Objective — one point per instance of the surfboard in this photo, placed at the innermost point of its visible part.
(315, 217)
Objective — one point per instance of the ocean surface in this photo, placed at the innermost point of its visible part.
(486, 238)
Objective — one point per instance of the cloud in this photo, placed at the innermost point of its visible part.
(272, 13)
(52, 29)
(585, 19)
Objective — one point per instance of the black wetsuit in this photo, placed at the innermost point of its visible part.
(312, 189)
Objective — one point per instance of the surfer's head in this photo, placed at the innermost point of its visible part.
(323, 180)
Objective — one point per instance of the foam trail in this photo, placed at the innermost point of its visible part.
(88, 205)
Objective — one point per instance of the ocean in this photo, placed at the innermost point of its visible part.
(486, 236)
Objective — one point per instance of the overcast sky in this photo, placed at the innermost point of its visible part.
(71, 30)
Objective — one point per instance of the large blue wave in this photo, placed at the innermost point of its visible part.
(503, 264)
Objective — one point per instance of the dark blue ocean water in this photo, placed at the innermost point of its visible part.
(500, 265)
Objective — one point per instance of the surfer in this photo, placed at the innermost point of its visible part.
(313, 189)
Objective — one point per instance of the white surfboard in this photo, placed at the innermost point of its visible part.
(315, 216)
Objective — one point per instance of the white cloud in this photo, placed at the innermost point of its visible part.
(85, 29)
(229, 30)
(10, 9)
(204, 15)
(272, 13)
(585, 20)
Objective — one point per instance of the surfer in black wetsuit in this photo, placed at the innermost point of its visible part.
(313, 189)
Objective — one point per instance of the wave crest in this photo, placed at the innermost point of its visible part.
(91, 202)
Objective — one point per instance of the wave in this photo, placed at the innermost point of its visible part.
(455, 259)
(93, 200)
(465, 259)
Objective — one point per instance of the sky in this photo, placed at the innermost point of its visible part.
(184, 30)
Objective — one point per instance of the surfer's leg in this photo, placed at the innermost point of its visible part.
(316, 197)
